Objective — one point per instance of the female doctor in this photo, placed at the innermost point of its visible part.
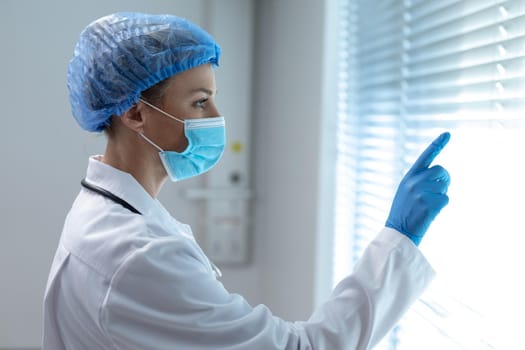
(127, 275)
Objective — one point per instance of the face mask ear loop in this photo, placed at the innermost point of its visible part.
(160, 110)
(151, 142)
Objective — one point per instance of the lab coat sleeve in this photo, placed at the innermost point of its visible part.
(165, 297)
(390, 276)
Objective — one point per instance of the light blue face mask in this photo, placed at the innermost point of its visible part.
(206, 140)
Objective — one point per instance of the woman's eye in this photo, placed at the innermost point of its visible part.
(201, 103)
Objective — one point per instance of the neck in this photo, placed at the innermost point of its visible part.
(136, 157)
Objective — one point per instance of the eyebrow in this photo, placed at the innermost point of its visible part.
(206, 91)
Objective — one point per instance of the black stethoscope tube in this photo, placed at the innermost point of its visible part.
(109, 195)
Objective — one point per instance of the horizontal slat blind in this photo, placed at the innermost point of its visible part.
(408, 70)
(464, 57)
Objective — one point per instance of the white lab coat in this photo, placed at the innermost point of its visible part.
(126, 281)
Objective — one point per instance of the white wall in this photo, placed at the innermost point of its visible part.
(44, 152)
(288, 109)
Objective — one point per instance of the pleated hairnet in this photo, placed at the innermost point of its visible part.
(120, 55)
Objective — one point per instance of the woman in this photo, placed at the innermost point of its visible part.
(127, 275)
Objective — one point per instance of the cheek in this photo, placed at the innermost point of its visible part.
(175, 139)
(168, 135)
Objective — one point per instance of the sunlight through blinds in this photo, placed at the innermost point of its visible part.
(409, 70)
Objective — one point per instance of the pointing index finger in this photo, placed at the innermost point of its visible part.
(427, 157)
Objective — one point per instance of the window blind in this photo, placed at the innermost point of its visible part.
(407, 71)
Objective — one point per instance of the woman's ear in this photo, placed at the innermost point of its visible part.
(133, 118)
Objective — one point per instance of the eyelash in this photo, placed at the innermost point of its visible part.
(201, 103)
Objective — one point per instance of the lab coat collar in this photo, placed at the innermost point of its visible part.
(121, 184)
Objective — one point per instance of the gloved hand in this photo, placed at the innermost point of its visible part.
(421, 194)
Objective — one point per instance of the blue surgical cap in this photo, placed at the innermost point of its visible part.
(120, 55)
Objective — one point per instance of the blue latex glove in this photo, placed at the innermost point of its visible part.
(421, 194)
